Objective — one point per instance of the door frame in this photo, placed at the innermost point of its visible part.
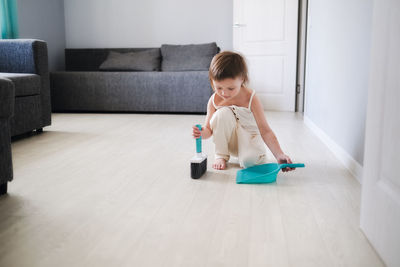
(301, 55)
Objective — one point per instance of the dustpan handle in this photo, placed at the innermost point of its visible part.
(291, 165)
(198, 140)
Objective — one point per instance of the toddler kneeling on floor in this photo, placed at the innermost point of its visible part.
(235, 116)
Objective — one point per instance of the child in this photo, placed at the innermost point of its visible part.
(235, 116)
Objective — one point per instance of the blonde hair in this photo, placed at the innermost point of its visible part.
(228, 64)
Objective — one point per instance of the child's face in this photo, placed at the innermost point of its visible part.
(228, 88)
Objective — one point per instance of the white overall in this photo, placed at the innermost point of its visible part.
(235, 133)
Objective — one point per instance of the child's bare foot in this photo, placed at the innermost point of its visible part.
(219, 164)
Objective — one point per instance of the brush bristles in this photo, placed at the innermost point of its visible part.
(197, 169)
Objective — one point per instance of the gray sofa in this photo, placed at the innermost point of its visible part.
(24, 95)
(173, 78)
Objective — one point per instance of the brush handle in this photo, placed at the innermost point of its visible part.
(198, 140)
(291, 165)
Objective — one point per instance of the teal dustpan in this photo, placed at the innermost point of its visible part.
(265, 173)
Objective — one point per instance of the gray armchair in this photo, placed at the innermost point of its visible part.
(6, 111)
(24, 95)
(24, 62)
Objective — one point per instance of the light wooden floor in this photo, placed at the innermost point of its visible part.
(114, 190)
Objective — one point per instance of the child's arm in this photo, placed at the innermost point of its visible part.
(206, 131)
(266, 132)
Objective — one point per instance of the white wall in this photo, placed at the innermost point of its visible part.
(149, 23)
(337, 67)
(44, 19)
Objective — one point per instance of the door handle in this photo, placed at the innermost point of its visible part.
(238, 25)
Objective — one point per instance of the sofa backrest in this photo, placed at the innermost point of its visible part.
(89, 59)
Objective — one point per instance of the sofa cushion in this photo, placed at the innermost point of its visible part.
(25, 84)
(187, 57)
(148, 60)
(90, 59)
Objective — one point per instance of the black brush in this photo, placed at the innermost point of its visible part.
(198, 164)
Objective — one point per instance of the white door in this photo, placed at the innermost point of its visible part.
(265, 32)
(380, 203)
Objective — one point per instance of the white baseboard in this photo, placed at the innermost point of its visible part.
(348, 161)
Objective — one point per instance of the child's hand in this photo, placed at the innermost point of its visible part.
(285, 159)
(196, 132)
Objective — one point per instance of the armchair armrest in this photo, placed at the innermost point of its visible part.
(6, 98)
(23, 56)
(6, 111)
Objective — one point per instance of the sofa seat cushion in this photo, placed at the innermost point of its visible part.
(25, 84)
(195, 57)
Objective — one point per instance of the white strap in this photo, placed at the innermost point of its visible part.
(215, 106)
(251, 98)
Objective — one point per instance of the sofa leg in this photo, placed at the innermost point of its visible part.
(40, 130)
(3, 188)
